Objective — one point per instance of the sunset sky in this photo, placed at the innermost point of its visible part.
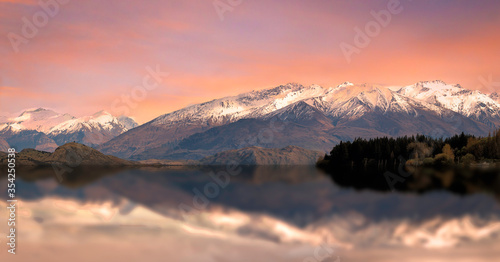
(92, 53)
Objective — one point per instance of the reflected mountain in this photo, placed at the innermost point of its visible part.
(298, 194)
(257, 210)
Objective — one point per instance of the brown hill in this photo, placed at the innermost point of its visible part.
(290, 155)
(70, 154)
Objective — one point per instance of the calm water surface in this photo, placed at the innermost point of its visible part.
(257, 214)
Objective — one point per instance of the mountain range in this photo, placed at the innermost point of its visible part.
(44, 129)
(311, 117)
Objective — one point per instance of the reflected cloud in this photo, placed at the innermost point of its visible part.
(265, 214)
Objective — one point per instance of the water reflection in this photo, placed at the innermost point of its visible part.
(263, 214)
(458, 180)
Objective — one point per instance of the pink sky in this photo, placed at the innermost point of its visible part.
(91, 53)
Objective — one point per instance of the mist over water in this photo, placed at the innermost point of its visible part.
(262, 214)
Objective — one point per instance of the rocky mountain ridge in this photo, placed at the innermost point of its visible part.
(45, 129)
(316, 118)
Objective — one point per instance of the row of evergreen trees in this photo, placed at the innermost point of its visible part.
(458, 148)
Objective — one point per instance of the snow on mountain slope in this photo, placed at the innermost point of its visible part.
(302, 112)
(287, 98)
(345, 101)
(91, 130)
(342, 112)
(348, 100)
(50, 122)
(101, 120)
(230, 109)
(470, 103)
(351, 101)
(495, 96)
(63, 128)
(127, 122)
(39, 119)
(167, 130)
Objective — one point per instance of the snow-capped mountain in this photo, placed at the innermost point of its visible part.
(39, 119)
(330, 114)
(46, 129)
(495, 96)
(127, 122)
(470, 103)
(91, 130)
(344, 101)
(231, 109)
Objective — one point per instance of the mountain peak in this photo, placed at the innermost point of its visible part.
(315, 86)
(35, 110)
(293, 86)
(434, 82)
(345, 84)
(127, 122)
(101, 113)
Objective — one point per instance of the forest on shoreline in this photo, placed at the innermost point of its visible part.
(415, 150)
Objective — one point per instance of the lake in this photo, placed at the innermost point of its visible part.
(243, 214)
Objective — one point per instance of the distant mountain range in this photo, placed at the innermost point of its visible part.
(44, 129)
(311, 117)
